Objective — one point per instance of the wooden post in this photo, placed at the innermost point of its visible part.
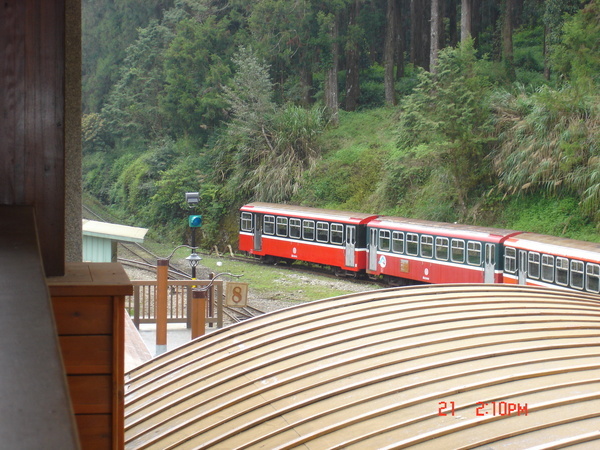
(198, 312)
(210, 298)
(162, 285)
(136, 307)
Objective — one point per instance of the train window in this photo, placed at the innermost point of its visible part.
(337, 233)
(427, 246)
(246, 221)
(308, 230)
(384, 240)
(577, 274)
(412, 244)
(458, 250)
(510, 260)
(282, 226)
(474, 253)
(533, 265)
(442, 248)
(322, 232)
(548, 268)
(562, 271)
(269, 225)
(592, 275)
(295, 228)
(398, 242)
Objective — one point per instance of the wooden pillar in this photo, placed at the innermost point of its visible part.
(162, 286)
(198, 312)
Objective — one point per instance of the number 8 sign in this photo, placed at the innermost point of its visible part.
(236, 294)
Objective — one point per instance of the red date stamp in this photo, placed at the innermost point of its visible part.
(486, 409)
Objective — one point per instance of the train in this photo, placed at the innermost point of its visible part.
(401, 251)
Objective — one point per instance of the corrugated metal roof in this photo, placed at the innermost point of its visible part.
(385, 369)
(113, 231)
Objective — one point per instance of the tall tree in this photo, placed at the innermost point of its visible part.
(132, 111)
(389, 52)
(466, 22)
(109, 27)
(353, 57)
(553, 19)
(401, 14)
(281, 32)
(507, 39)
(197, 64)
(420, 32)
(436, 32)
(330, 31)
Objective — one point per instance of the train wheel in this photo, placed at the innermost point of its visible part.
(285, 261)
(268, 259)
(394, 281)
(338, 272)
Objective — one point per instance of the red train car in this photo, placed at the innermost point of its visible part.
(540, 260)
(405, 251)
(289, 233)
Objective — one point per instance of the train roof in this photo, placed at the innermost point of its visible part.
(391, 368)
(308, 212)
(559, 246)
(446, 229)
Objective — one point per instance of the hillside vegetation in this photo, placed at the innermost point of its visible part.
(233, 101)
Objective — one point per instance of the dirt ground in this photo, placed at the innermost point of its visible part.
(276, 299)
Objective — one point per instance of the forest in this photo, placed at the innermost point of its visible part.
(483, 112)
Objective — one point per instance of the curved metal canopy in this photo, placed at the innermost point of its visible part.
(438, 366)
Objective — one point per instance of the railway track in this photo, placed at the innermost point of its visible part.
(241, 314)
(142, 258)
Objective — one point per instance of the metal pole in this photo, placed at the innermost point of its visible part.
(198, 312)
(193, 251)
(162, 286)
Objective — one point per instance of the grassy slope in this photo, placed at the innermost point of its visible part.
(355, 155)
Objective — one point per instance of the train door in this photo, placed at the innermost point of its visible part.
(350, 245)
(258, 227)
(373, 249)
(522, 267)
(489, 267)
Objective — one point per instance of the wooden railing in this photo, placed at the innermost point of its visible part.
(35, 406)
(142, 304)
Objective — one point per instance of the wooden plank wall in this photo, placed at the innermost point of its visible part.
(88, 305)
(32, 100)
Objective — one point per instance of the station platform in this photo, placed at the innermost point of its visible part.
(140, 345)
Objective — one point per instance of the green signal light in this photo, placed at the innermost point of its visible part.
(195, 221)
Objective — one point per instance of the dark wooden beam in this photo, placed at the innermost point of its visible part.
(32, 150)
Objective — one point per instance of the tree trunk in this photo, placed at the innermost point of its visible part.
(400, 37)
(466, 30)
(352, 62)
(306, 81)
(389, 53)
(436, 33)
(507, 42)
(420, 32)
(546, 53)
(331, 77)
(451, 6)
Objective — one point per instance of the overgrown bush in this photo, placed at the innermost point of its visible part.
(445, 123)
(268, 146)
